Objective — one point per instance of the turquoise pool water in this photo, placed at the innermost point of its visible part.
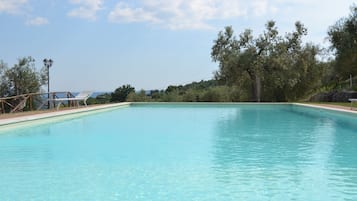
(184, 152)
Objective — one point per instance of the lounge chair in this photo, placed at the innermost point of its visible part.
(83, 96)
(352, 100)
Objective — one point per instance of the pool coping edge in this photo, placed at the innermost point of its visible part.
(34, 117)
(326, 108)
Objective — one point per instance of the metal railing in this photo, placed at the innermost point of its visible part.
(32, 101)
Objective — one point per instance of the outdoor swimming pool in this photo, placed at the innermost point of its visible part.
(184, 152)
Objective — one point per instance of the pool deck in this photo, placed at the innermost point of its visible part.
(330, 107)
(6, 119)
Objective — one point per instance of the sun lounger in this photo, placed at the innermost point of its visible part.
(83, 96)
(352, 100)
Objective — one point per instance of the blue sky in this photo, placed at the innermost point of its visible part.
(100, 45)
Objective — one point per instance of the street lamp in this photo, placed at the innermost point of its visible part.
(48, 64)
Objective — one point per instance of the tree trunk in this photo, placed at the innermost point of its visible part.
(258, 87)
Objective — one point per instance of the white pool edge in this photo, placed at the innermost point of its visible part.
(326, 108)
(82, 110)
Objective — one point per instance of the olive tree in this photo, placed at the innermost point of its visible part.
(343, 37)
(269, 67)
(22, 78)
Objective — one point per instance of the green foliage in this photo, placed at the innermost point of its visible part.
(120, 94)
(103, 98)
(4, 82)
(203, 91)
(216, 94)
(173, 96)
(100, 99)
(343, 37)
(269, 67)
(156, 94)
(22, 78)
(192, 95)
(138, 97)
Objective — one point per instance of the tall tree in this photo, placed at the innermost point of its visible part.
(22, 78)
(4, 83)
(271, 65)
(343, 37)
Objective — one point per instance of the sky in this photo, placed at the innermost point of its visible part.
(100, 45)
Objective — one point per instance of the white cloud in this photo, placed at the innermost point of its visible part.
(262, 7)
(204, 14)
(177, 14)
(87, 9)
(38, 21)
(123, 13)
(12, 6)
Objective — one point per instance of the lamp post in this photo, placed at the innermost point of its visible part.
(48, 64)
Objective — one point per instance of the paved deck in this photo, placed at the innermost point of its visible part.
(6, 119)
(330, 107)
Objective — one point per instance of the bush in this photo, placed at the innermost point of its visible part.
(138, 97)
(120, 94)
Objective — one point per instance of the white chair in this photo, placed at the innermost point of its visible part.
(83, 96)
(352, 100)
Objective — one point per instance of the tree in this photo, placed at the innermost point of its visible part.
(270, 65)
(100, 99)
(343, 37)
(22, 78)
(243, 60)
(141, 96)
(4, 83)
(120, 94)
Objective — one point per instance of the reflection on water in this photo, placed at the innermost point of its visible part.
(281, 154)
